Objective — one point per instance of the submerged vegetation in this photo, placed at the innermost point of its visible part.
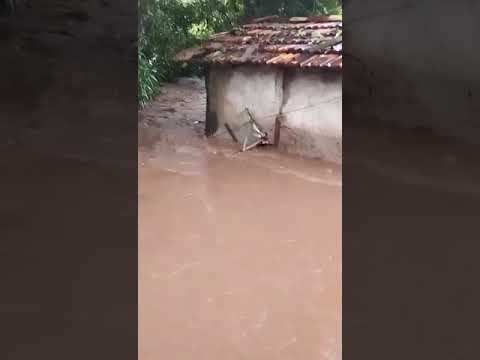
(167, 26)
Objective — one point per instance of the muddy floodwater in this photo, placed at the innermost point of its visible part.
(239, 253)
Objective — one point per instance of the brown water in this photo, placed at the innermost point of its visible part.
(239, 253)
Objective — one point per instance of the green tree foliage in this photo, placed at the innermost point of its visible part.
(259, 8)
(167, 26)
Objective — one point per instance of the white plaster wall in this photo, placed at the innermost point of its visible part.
(311, 104)
(231, 90)
(312, 114)
(420, 54)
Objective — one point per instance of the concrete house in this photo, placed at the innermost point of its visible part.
(285, 74)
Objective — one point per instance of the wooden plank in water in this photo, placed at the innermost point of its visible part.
(230, 131)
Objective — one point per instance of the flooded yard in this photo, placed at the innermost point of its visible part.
(239, 253)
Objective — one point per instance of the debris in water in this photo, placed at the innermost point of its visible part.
(254, 133)
(251, 133)
(230, 131)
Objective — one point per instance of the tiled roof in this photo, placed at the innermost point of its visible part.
(296, 42)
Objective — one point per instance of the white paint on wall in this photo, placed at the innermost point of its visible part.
(312, 114)
(232, 90)
(311, 104)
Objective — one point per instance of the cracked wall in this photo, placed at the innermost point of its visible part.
(310, 103)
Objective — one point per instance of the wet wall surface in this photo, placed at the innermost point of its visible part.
(309, 102)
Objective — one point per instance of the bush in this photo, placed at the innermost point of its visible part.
(147, 79)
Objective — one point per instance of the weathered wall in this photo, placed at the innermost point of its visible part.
(232, 89)
(414, 58)
(312, 114)
(311, 104)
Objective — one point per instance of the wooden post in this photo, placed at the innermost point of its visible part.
(211, 120)
(276, 134)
